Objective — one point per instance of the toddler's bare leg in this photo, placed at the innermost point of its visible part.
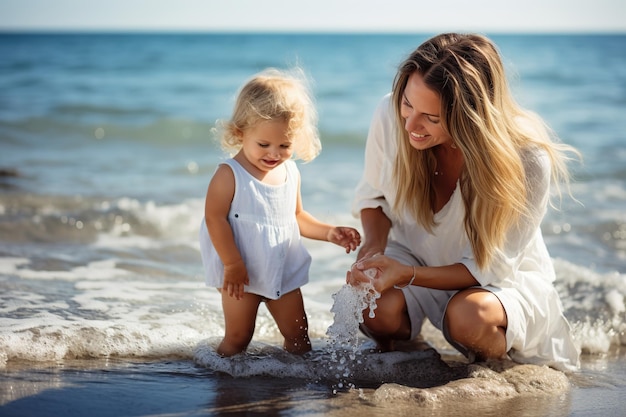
(239, 322)
(288, 312)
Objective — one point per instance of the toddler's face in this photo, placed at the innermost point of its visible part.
(267, 144)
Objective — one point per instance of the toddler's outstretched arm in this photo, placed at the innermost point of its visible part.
(347, 237)
(312, 228)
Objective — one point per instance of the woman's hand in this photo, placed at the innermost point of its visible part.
(235, 277)
(388, 272)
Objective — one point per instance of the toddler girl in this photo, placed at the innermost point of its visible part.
(250, 236)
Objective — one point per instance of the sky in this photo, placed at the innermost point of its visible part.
(417, 16)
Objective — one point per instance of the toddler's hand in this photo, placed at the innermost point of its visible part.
(347, 237)
(235, 278)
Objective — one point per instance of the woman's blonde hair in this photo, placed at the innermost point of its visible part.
(275, 95)
(490, 129)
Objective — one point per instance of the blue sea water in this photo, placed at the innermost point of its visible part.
(106, 151)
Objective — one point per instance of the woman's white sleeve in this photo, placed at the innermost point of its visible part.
(374, 186)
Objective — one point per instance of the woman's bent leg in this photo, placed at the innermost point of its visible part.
(391, 321)
(476, 319)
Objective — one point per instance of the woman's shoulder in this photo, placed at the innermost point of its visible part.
(537, 168)
(384, 106)
(535, 159)
(383, 118)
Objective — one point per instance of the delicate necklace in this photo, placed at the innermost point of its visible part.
(437, 172)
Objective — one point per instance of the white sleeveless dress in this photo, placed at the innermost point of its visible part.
(263, 220)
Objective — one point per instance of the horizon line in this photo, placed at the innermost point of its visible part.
(174, 31)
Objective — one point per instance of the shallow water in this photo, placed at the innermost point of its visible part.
(181, 388)
(342, 374)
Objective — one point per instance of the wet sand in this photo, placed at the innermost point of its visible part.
(122, 387)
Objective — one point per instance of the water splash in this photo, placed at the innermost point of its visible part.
(343, 343)
(348, 306)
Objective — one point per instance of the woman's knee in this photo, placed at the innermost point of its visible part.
(388, 313)
(472, 310)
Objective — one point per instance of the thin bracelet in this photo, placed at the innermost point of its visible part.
(410, 282)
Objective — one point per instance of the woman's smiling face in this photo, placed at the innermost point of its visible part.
(420, 109)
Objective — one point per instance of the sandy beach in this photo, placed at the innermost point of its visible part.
(441, 386)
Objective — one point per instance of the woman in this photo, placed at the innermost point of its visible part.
(455, 186)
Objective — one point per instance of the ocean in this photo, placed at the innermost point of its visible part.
(106, 151)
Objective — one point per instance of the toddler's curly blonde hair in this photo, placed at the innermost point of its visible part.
(274, 95)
